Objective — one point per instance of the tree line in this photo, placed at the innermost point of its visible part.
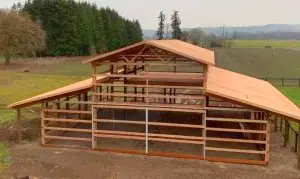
(80, 28)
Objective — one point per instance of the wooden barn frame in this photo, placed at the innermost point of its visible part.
(163, 98)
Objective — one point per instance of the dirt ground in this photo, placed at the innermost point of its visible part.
(30, 159)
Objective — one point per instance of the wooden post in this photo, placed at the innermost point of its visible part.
(146, 132)
(79, 106)
(112, 88)
(280, 124)
(135, 88)
(19, 128)
(94, 127)
(298, 153)
(268, 134)
(286, 133)
(125, 82)
(42, 125)
(276, 123)
(282, 82)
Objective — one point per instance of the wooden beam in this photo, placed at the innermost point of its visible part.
(235, 150)
(67, 111)
(69, 138)
(235, 140)
(68, 120)
(235, 130)
(236, 120)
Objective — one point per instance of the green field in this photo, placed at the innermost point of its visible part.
(264, 43)
(260, 62)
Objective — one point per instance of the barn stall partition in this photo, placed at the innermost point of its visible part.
(162, 98)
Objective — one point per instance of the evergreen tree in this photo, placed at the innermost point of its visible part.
(175, 25)
(81, 28)
(161, 26)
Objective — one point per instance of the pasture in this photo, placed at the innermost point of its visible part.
(263, 43)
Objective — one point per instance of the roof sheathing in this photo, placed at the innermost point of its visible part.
(178, 47)
(249, 91)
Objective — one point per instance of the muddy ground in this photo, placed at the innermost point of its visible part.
(31, 159)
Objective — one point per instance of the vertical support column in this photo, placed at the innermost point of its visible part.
(79, 106)
(147, 86)
(112, 81)
(275, 124)
(298, 153)
(125, 82)
(94, 84)
(146, 132)
(204, 134)
(42, 124)
(19, 128)
(286, 133)
(94, 127)
(135, 88)
(268, 134)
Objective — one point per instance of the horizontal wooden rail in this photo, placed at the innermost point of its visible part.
(236, 120)
(69, 138)
(154, 107)
(150, 86)
(68, 120)
(119, 132)
(119, 136)
(150, 96)
(235, 150)
(175, 136)
(119, 121)
(66, 111)
(235, 130)
(145, 76)
(232, 109)
(148, 64)
(235, 140)
(175, 140)
(175, 125)
(68, 129)
(73, 102)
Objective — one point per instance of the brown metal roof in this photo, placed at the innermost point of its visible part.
(175, 46)
(249, 91)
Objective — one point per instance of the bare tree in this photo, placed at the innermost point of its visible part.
(19, 35)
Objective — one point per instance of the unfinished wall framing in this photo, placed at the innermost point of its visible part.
(154, 102)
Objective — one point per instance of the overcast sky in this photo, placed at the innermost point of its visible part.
(203, 13)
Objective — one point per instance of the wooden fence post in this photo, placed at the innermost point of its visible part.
(282, 82)
(286, 133)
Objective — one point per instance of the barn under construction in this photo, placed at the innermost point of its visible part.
(164, 98)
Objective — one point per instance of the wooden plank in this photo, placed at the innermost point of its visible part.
(151, 86)
(68, 129)
(175, 155)
(234, 150)
(235, 140)
(119, 132)
(126, 151)
(175, 140)
(145, 76)
(132, 95)
(69, 138)
(68, 120)
(67, 111)
(154, 105)
(119, 121)
(235, 130)
(236, 120)
(140, 107)
(237, 161)
(42, 124)
(231, 109)
(175, 125)
(119, 137)
(175, 136)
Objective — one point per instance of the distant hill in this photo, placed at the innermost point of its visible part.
(254, 29)
(269, 28)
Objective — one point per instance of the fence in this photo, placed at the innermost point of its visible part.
(289, 130)
(283, 82)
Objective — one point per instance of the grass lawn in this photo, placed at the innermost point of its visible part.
(5, 158)
(262, 43)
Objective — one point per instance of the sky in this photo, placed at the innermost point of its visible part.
(203, 13)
